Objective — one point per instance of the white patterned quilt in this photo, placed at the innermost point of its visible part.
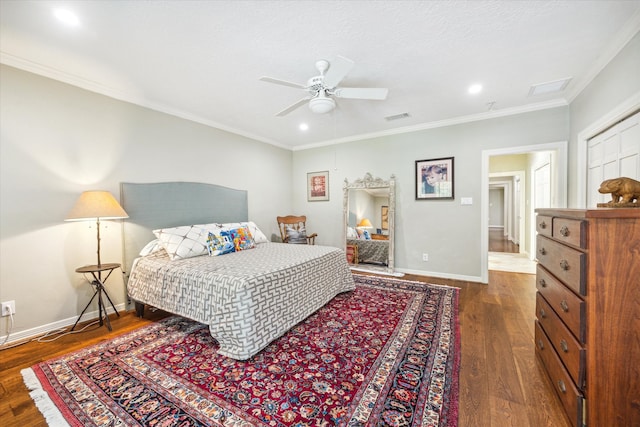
(371, 251)
(247, 298)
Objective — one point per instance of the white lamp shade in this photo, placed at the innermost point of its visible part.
(365, 223)
(96, 205)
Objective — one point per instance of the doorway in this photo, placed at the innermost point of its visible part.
(507, 202)
(555, 154)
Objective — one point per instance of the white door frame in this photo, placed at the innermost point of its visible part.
(614, 116)
(559, 200)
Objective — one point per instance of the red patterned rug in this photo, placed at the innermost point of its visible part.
(385, 354)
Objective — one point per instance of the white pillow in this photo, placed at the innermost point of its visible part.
(258, 235)
(184, 242)
(191, 240)
(352, 233)
(151, 247)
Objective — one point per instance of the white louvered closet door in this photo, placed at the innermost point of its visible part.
(612, 154)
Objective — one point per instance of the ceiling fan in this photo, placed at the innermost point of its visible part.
(323, 88)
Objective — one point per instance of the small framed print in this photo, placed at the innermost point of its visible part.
(434, 179)
(318, 186)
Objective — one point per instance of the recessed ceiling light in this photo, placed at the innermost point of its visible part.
(304, 127)
(67, 17)
(475, 89)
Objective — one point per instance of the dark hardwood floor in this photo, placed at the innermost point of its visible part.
(501, 382)
(498, 242)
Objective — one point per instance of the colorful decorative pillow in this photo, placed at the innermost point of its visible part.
(242, 238)
(296, 236)
(183, 242)
(219, 244)
(258, 235)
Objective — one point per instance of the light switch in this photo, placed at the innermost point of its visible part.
(466, 200)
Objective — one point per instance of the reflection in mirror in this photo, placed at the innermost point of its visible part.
(368, 226)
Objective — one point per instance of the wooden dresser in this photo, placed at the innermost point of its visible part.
(587, 328)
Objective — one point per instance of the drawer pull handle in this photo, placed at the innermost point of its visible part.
(561, 386)
(543, 314)
(564, 264)
(564, 306)
(564, 346)
(543, 225)
(542, 251)
(543, 283)
(541, 344)
(564, 231)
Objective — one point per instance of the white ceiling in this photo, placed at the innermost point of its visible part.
(202, 60)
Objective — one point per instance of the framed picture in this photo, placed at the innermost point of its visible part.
(434, 179)
(318, 186)
(384, 217)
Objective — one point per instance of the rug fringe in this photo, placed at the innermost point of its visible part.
(47, 408)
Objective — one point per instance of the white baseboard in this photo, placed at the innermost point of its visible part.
(43, 329)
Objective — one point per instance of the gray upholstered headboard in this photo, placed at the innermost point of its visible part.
(170, 204)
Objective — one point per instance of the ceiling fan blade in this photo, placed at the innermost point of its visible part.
(361, 92)
(282, 82)
(293, 107)
(338, 70)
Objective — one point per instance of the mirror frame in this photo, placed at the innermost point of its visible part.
(366, 183)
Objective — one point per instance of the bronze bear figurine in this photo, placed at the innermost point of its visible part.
(623, 188)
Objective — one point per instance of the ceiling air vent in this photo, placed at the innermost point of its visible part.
(549, 87)
(397, 117)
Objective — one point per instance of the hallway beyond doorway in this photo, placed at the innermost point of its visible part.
(498, 242)
(504, 254)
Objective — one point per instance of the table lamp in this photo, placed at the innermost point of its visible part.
(365, 223)
(96, 205)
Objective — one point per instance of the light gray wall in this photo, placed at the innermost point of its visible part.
(496, 207)
(618, 82)
(447, 231)
(57, 141)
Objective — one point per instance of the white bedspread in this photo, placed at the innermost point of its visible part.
(247, 298)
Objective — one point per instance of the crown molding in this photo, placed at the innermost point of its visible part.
(441, 123)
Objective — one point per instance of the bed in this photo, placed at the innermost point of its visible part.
(371, 251)
(248, 298)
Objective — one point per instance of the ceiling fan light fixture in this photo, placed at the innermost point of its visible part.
(322, 105)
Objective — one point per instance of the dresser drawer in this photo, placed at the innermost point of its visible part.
(567, 305)
(566, 264)
(571, 353)
(570, 396)
(544, 225)
(570, 231)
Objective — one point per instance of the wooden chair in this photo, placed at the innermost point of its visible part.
(293, 229)
(352, 254)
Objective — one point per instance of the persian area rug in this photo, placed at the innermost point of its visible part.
(385, 354)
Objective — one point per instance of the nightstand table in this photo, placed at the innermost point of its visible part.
(98, 283)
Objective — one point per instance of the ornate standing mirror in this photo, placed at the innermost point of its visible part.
(369, 213)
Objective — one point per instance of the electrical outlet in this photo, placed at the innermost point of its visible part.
(8, 308)
(425, 257)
